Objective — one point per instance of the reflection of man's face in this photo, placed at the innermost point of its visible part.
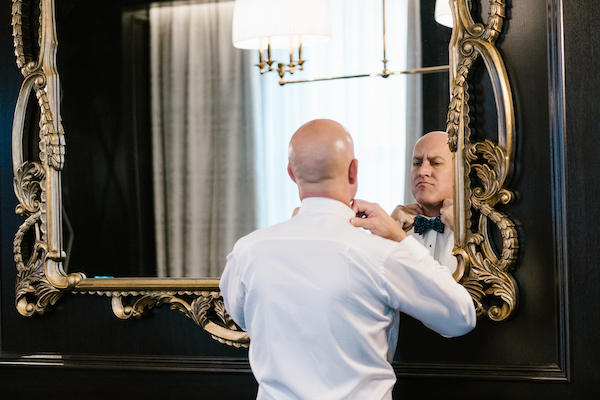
(431, 173)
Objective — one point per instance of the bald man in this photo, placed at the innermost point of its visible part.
(319, 298)
(431, 185)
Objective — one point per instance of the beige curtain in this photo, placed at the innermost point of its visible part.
(202, 137)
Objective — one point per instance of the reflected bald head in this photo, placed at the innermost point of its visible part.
(433, 139)
(319, 151)
(321, 160)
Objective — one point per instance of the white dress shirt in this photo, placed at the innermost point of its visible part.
(319, 299)
(440, 245)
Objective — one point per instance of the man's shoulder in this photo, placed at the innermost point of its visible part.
(374, 246)
(272, 231)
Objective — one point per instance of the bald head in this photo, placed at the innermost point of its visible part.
(321, 154)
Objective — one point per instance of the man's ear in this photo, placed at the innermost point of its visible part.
(290, 173)
(353, 171)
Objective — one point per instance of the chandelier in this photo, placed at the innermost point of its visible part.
(266, 25)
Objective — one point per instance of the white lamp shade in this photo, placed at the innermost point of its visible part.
(443, 14)
(280, 20)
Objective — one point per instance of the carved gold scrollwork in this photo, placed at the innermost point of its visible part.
(207, 310)
(31, 280)
(21, 35)
(482, 270)
(28, 188)
(52, 140)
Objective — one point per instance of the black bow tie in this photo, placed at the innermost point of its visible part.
(423, 224)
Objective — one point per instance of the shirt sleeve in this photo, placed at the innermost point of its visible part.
(233, 291)
(424, 289)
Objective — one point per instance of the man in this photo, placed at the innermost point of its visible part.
(320, 298)
(431, 219)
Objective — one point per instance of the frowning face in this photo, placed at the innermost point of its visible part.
(431, 173)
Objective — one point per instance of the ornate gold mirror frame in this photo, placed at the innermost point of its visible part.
(483, 271)
(38, 244)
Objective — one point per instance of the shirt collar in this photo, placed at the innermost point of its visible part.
(328, 206)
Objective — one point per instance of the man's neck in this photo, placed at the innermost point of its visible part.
(431, 211)
(335, 195)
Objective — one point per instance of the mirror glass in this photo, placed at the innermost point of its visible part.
(177, 146)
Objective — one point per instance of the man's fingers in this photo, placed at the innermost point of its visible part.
(358, 222)
(396, 214)
(377, 221)
(359, 205)
(411, 210)
(446, 206)
(405, 216)
(366, 208)
(414, 209)
(447, 212)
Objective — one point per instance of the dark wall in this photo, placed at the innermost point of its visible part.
(435, 87)
(548, 350)
(107, 178)
(10, 81)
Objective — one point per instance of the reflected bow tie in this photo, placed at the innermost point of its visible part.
(423, 224)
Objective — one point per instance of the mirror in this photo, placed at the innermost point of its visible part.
(166, 220)
(51, 192)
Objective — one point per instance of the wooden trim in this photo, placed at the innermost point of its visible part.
(535, 372)
(531, 372)
(129, 363)
(556, 98)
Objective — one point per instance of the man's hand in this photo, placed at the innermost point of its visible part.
(376, 220)
(405, 215)
(447, 213)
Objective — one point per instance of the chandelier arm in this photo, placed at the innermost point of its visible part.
(385, 74)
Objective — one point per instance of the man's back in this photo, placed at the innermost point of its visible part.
(319, 303)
